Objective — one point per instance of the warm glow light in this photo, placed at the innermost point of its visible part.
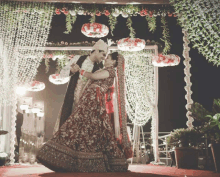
(20, 91)
(111, 2)
(40, 114)
(28, 111)
(134, 3)
(24, 107)
(35, 110)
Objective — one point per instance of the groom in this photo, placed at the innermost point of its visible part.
(89, 63)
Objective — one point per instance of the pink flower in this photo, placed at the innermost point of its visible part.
(63, 9)
(58, 11)
(170, 14)
(98, 13)
(107, 13)
(66, 12)
(143, 12)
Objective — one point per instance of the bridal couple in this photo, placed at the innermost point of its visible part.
(84, 139)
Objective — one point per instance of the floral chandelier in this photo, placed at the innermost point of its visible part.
(57, 80)
(131, 44)
(35, 86)
(165, 60)
(94, 30)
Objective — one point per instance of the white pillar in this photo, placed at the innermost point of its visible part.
(186, 50)
(156, 117)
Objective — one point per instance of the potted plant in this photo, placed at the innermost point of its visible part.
(185, 141)
(208, 123)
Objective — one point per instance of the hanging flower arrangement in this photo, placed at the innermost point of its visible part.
(35, 86)
(165, 60)
(94, 30)
(57, 80)
(131, 44)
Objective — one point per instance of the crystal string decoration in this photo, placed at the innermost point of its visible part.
(13, 129)
(187, 78)
(24, 27)
(140, 91)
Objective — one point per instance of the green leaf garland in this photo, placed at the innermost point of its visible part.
(92, 19)
(47, 64)
(201, 19)
(129, 25)
(68, 24)
(112, 22)
(151, 23)
(166, 36)
(74, 19)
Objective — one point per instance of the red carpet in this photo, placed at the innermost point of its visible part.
(135, 171)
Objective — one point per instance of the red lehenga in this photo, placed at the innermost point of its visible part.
(86, 141)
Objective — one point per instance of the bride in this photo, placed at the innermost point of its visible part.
(86, 141)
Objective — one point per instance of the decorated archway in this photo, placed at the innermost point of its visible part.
(20, 66)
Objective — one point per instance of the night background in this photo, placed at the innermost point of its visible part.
(171, 103)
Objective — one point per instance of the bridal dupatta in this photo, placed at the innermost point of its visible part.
(120, 116)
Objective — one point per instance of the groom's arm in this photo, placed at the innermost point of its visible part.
(66, 70)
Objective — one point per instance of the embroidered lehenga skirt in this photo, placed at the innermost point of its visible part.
(86, 141)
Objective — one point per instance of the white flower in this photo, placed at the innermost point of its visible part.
(124, 14)
(115, 14)
(81, 12)
(216, 116)
(72, 12)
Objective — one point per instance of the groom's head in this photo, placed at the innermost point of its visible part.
(99, 51)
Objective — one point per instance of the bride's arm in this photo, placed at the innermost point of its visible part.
(95, 76)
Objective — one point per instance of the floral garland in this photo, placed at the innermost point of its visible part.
(64, 56)
(201, 19)
(112, 12)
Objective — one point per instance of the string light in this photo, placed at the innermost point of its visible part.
(21, 26)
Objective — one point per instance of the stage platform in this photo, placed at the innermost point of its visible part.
(26, 170)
